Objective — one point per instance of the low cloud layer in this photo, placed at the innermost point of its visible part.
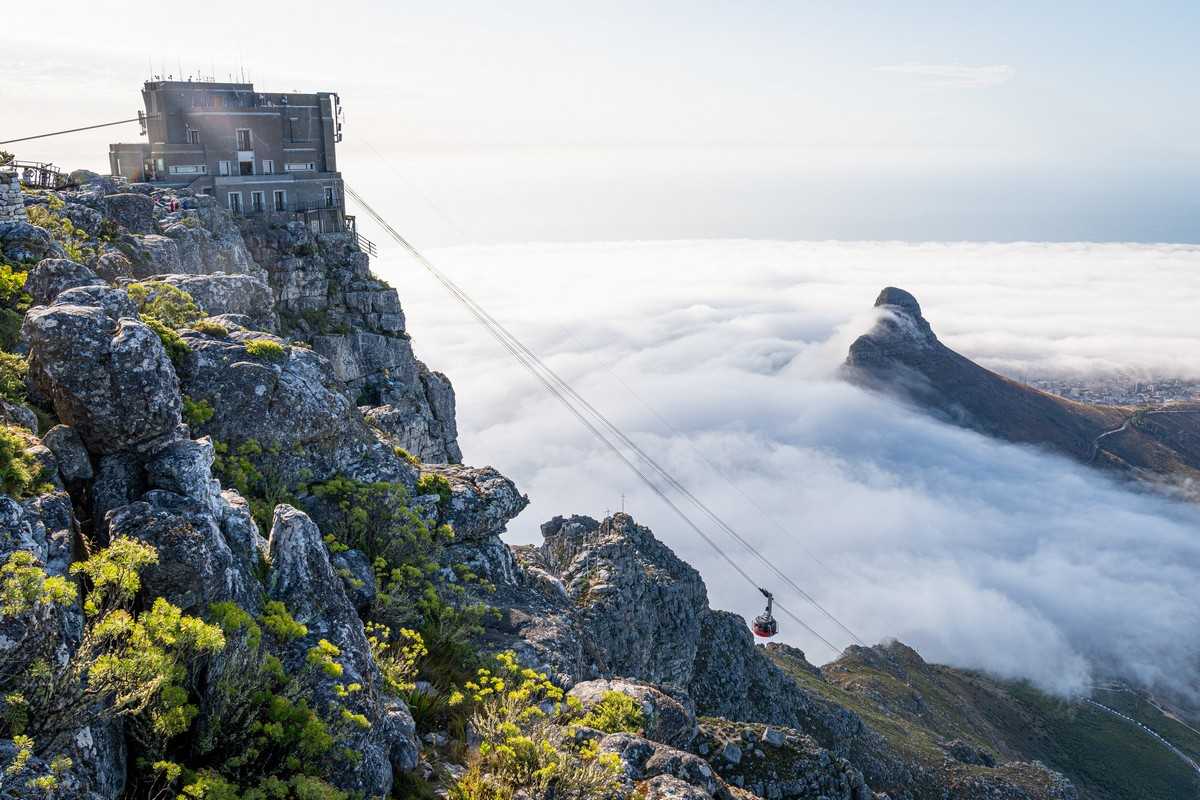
(978, 553)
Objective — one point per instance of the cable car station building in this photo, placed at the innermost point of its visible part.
(257, 153)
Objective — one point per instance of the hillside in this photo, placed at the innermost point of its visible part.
(902, 356)
(932, 712)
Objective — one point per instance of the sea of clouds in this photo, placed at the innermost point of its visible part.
(719, 357)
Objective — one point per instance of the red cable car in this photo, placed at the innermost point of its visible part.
(764, 624)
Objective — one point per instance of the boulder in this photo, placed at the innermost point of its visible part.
(132, 211)
(115, 302)
(196, 566)
(52, 275)
(670, 716)
(74, 463)
(290, 407)
(643, 759)
(482, 501)
(229, 294)
(157, 255)
(114, 265)
(110, 380)
(304, 580)
(22, 242)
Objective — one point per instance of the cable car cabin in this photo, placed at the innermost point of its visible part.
(764, 624)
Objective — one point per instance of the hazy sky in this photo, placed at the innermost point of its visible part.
(1064, 121)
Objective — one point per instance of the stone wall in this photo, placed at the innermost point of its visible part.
(12, 205)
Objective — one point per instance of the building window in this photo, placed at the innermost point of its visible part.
(243, 139)
(188, 169)
(280, 197)
(268, 167)
(235, 202)
(256, 201)
(305, 167)
(329, 199)
(245, 167)
(224, 167)
(193, 136)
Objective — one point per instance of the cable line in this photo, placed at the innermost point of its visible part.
(712, 515)
(565, 393)
(77, 130)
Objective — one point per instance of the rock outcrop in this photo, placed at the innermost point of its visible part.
(903, 357)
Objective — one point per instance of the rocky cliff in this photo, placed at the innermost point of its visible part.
(241, 560)
(902, 356)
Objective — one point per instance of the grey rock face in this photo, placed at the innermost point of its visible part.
(640, 604)
(74, 464)
(303, 578)
(293, 408)
(482, 501)
(111, 381)
(195, 565)
(23, 243)
(134, 212)
(778, 762)
(422, 422)
(156, 255)
(53, 275)
(115, 302)
(228, 294)
(670, 716)
(113, 265)
(643, 759)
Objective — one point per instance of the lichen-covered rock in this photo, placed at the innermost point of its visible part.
(640, 604)
(110, 380)
(134, 212)
(778, 762)
(303, 578)
(115, 302)
(228, 294)
(74, 463)
(669, 715)
(482, 501)
(52, 275)
(155, 255)
(421, 419)
(196, 566)
(24, 243)
(113, 265)
(643, 759)
(286, 401)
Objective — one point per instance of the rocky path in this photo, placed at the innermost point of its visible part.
(1096, 446)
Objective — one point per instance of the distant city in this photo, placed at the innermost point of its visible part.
(1119, 390)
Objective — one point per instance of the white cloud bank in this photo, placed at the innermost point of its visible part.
(978, 553)
(958, 76)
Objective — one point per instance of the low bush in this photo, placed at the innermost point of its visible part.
(616, 712)
(20, 471)
(196, 412)
(169, 304)
(266, 349)
(177, 349)
(210, 328)
(13, 369)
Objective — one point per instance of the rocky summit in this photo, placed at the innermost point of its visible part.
(242, 558)
(903, 357)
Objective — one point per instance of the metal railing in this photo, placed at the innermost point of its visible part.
(37, 174)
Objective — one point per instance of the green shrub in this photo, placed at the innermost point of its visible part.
(20, 471)
(431, 483)
(12, 377)
(196, 412)
(266, 349)
(210, 328)
(14, 302)
(407, 456)
(177, 349)
(73, 240)
(517, 752)
(616, 712)
(169, 304)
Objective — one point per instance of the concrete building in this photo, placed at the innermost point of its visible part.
(256, 152)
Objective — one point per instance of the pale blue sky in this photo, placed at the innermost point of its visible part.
(753, 119)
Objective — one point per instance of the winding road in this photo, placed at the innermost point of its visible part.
(1096, 446)
(1190, 761)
